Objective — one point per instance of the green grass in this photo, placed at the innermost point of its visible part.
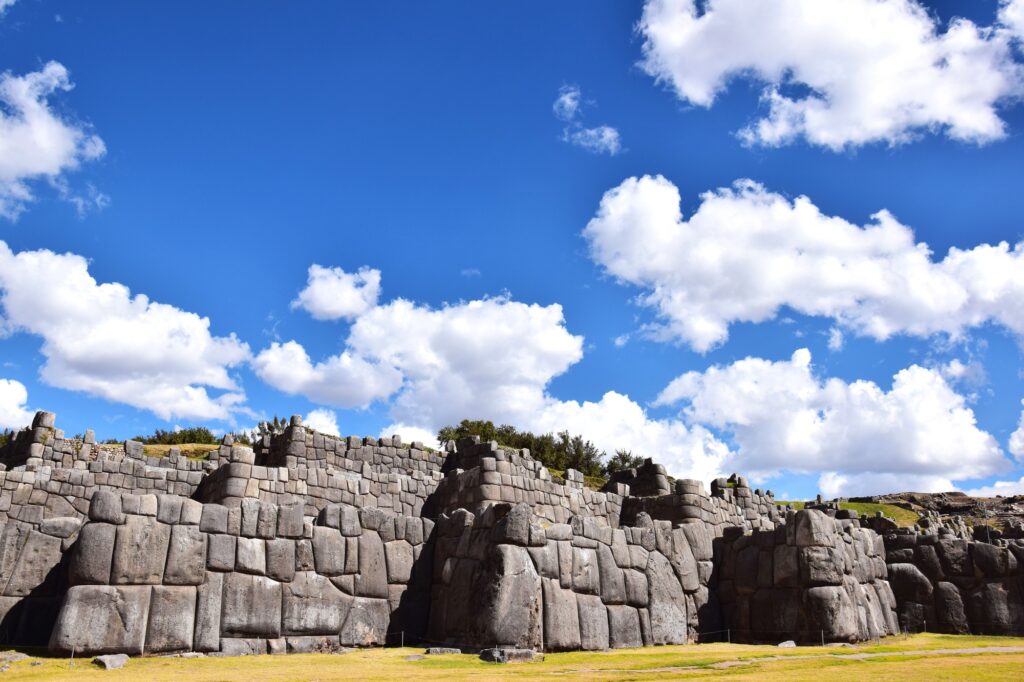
(903, 517)
(698, 662)
(190, 450)
(592, 482)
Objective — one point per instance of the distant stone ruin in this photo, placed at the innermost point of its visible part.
(309, 542)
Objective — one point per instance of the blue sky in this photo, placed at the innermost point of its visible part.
(243, 144)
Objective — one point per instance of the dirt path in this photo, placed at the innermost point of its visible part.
(723, 665)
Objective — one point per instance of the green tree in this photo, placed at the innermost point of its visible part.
(560, 452)
(193, 434)
(621, 460)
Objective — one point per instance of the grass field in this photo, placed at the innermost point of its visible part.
(190, 450)
(920, 657)
(903, 517)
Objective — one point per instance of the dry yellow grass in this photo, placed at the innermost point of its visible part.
(700, 662)
(190, 450)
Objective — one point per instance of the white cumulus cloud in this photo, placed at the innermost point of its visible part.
(919, 433)
(14, 414)
(38, 143)
(343, 380)
(324, 421)
(1004, 488)
(1016, 444)
(332, 293)
(1011, 15)
(449, 362)
(100, 339)
(839, 73)
(485, 359)
(616, 421)
(746, 252)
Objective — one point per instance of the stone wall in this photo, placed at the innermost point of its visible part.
(814, 579)
(508, 577)
(735, 506)
(484, 474)
(313, 542)
(362, 472)
(161, 574)
(944, 583)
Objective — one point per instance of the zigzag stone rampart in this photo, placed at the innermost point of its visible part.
(309, 542)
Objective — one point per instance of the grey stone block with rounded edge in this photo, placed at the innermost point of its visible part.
(102, 619)
(111, 661)
(251, 606)
(171, 619)
(140, 551)
(509, 655)
(313, 606)
(186, 556)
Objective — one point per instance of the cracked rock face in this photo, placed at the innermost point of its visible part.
(309, 542)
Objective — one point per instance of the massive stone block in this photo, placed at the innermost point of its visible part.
(561, 618)
(208, 612)
(102, 619)
(667, 607)
(38, 558)
(172, 612)
(186, 556)
(593, 619)
(372, 579)
(93, 554)
(314, 606)
(366, 623)
(509, 606)
(624, 627)
(251, 606)
(140, 551)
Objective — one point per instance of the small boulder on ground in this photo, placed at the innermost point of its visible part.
(111, 661)
(510, 655)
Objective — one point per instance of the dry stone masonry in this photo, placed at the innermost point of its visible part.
(310, 542)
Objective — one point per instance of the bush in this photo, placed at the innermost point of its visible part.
(194, 434)
(556, 451)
